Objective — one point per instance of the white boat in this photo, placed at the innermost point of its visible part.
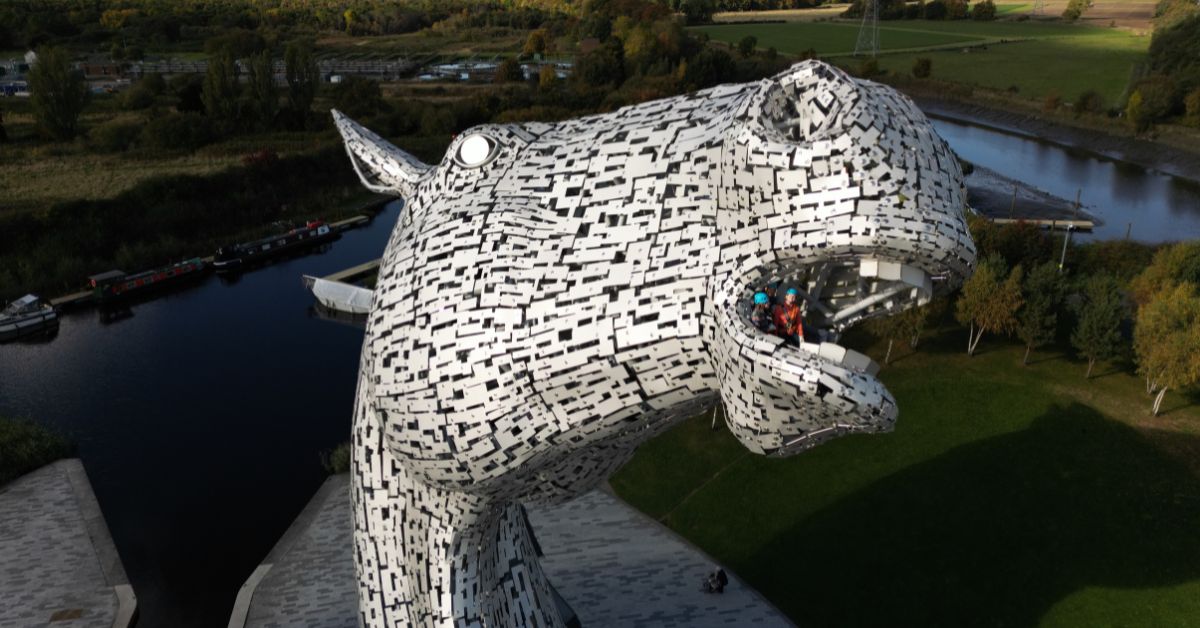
(339, 296)
(24, 316)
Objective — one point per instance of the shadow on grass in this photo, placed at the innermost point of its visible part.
(993, 533)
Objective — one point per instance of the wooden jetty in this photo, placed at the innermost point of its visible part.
(353, 271)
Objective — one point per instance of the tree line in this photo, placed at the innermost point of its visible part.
(1114, 300)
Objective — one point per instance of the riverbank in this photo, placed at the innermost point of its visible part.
(1175, 151)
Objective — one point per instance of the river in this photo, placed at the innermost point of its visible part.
(200, 418)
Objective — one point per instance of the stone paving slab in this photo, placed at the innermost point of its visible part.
(614, 566)
(58, 564)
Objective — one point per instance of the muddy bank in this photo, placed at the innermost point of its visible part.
(1154, 155)
(997, 196)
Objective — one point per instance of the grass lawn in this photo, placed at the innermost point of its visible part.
(1007, 496)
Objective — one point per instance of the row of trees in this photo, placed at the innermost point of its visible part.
(1158, 298)
(922, 10)
(59, 95)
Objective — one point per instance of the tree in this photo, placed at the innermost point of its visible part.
(1097, 333)
(746, 46)
(547, 79)
(1166, 340)
(1074, 9)
(983, 11)
(264, 99)
(906, 326)
(698, 11)
(220, 95)
(1037, 320)
(537, 43)
(989, 300)
(303, 78)
(509, 71)
(1171, 264)
(58, 94)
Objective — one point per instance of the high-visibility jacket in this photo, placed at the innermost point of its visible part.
(787, 320)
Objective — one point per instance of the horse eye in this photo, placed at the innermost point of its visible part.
(475, 151)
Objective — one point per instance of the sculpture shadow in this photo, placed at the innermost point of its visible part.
(993, 533)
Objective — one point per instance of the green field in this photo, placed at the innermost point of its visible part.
(1007, 496)
(1037, 58)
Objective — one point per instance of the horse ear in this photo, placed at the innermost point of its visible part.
(381, 166)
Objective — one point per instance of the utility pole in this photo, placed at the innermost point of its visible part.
(1013, 206)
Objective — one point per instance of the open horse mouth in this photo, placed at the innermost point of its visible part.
(835, 294)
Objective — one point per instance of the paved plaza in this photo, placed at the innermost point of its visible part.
(614, 565)
(58, 564)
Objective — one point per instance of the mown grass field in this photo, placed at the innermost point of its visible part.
(1007, 496)
(1037, 58)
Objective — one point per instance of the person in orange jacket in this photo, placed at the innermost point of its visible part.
(787, 318)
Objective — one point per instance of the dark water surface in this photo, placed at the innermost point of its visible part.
(1160, 206)
(200, 420)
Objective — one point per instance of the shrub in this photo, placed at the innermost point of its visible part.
(935, 10)
(137, 97)
(1191, 106)
(1074, 9)
(25, 446)
(176, 132)
(922, 67)
(868, 68)
(338, 460)
(1088, 102)
(509, 71)
(1153, 99)
(114, 136)
(1052, 102)
(746, 46)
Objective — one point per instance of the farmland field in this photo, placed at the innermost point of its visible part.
(1036, 58)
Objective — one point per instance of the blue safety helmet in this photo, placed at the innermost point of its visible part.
(793, 291)
(760, 298)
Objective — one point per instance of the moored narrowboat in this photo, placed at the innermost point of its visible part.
(116, 283)
(235, 255)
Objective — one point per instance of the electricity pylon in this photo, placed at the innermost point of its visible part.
(868, 33)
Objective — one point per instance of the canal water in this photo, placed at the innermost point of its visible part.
(201, 416)
(1159, 206)
(200, 419)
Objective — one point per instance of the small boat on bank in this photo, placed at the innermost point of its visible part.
(26, 315)
(234, 256)
(115, 283)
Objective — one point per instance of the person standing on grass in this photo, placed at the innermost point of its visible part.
(787, 318)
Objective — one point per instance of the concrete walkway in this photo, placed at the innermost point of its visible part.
(613, 565)
(58, 564)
